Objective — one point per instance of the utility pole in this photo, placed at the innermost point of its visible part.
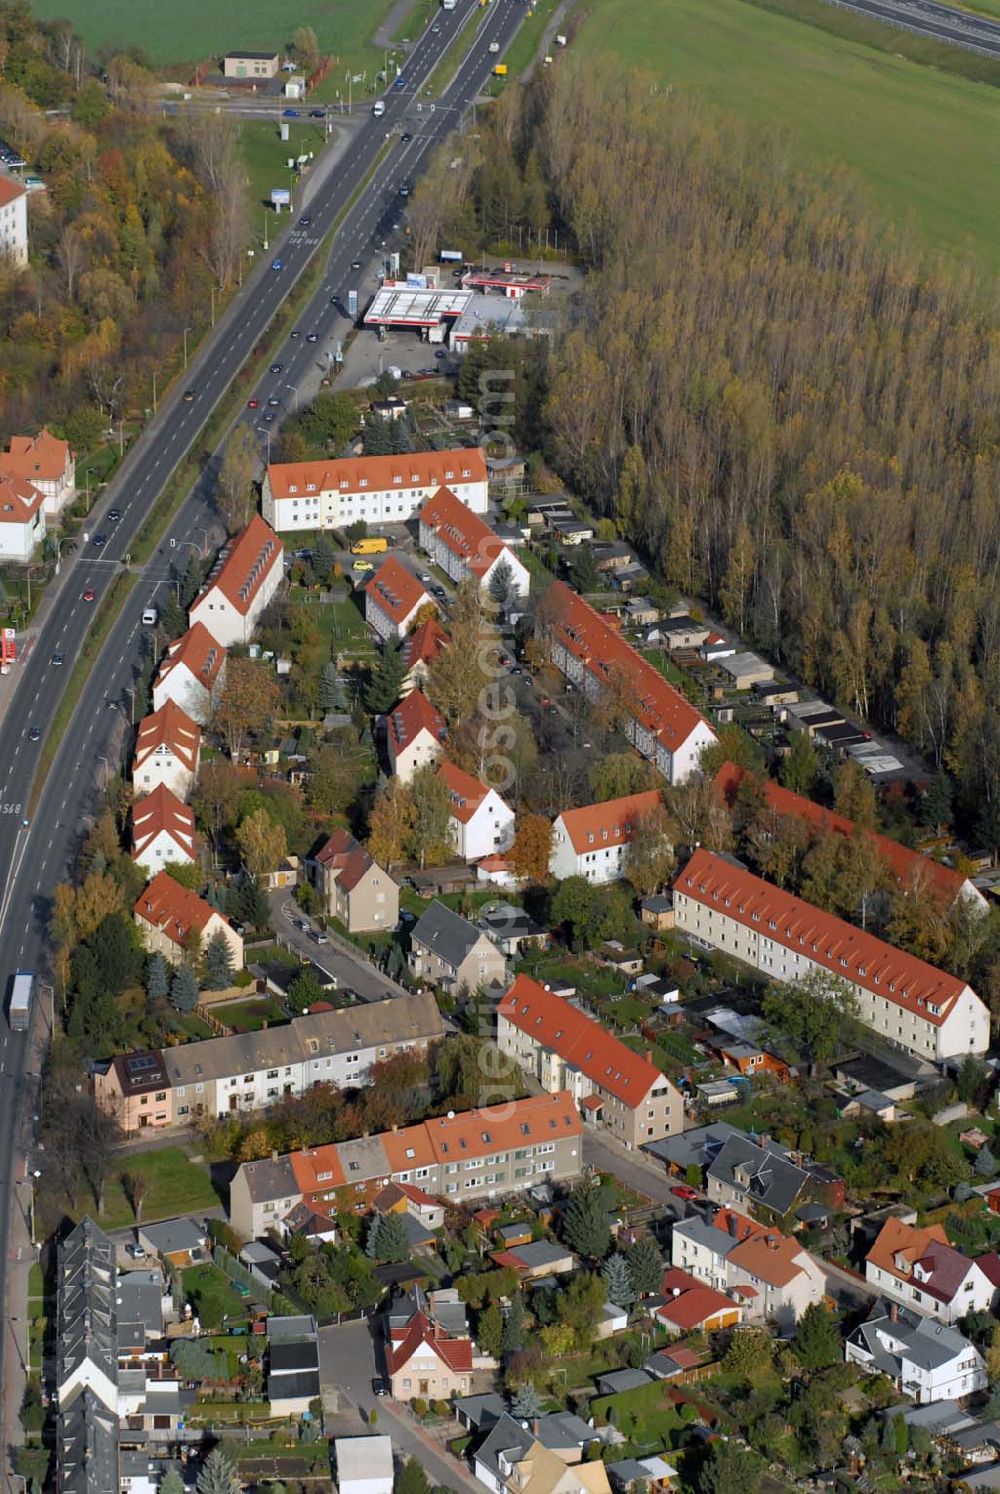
(186, 331)
(154, 391)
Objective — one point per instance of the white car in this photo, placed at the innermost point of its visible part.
(149, 618)
(494, 47)
(378, 109)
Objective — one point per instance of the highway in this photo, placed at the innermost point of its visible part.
(926, 18)
(37, 856)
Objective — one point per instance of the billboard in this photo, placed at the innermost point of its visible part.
(280, 197)
(352, 303)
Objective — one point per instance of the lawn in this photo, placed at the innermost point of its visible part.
(644, 1416)
(176, 1185)
(250, 1016)
(211, 1294)
(266, 158)
(190, 30)
(926, 143)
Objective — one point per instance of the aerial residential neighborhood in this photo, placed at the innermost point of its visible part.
(500, 815)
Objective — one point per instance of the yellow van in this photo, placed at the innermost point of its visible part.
(500, 71)
(374, 545)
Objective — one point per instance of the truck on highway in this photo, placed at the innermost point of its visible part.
(500, 71)
(21, 992)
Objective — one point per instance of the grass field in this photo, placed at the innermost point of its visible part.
(926, 143)
(176, 1186)
(188, 31)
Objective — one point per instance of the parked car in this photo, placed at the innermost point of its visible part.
(289, 114)
(685, 1191)
(135, 1251)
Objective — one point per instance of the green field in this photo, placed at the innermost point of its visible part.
(926, 143)
(188, 31)
(176, 1186)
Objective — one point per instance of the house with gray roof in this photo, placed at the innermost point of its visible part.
(87, 1447)
(508, 1442)
(87, 1362)
(750, 1175)
(925, 1359)
(447, 950)
(176, 1242)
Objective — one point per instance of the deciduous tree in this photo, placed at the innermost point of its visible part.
(262, 843)
(246, 703)
(391, 823)
(529, 855)
(234, 496)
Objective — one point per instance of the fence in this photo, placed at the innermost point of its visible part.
(274, 1300)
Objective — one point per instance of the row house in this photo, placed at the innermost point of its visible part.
(47, 463)
(250, 1071)
(421, 648)
(167, 752)
(376, 489)
(244, 579)
(594, 841)
(354, 888)
(480, 822)
(772, 1276)
(162, 831)
(490, 1152)
(414, 733)
(170, 919)
(909, 869)
(907, 1002)
(618, 1090)
(393, 598)
(661, 724)
(191, 673)
(920, 1268)
(464, 545)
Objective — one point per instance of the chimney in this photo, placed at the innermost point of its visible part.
(733, 1228)
(649, 1055)
(893, 1313)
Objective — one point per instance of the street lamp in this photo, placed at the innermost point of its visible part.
(295, 396)
(88, 474)
(265, 430)
(212, 290)
(186, 331)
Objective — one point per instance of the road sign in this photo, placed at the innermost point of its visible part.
(352, 303)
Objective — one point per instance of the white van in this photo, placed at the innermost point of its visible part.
(150, 617)
(378, 109)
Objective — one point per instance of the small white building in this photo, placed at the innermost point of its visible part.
(13, 220)
(594, 841)
(167, 752)
(364, 1464)
(925, 1359)
(245, 577)
(22, 518)
(393, 597)
(465, 546)
(162, 831)
(47, 464)
(377, 489)
(191, 671)
(480, 822)
(415, 733)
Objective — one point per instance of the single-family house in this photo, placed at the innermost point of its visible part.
(162, 831)
(378, 489)
(480, 822)
(754, 1175)
(594, 841)
(167, 752)
(169, 917)
(771, 1275)
(447, 950)
(176, 1242)
(22, 518)
(920, 1268)
(924, 1358)
(465, 547)
(134, 1089)
(393, 597)
(420, 649)
(190, 674)
(244, 579)
(353, 887)
(47, 463)
(407, 1198)
(292, 1364)
(543, 1457)
(511, 928)
(415, 733)
(682, 631)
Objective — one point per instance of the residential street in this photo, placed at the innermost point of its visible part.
(634, 1169)
(336, 957)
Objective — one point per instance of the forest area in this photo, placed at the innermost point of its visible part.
(788, 408)
(140, 219)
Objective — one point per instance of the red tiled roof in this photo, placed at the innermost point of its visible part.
(694, 1303)
(455, 1352)
(20, 500)
(659, 708)
(839, 947)
(347, 857)
(161, 812)
(415, 469)
(173, 909)
(395, 591)
(413, 715)
(503, 1128)
(424, 643)
(906, 866)
(198, 651)
(465, 793)
(900, 1247)
(243, 565)
(10, 190)
(610, 823)
(43, 456)
(318, 1169)
(464, 533)
(172, 728)
(579, 1040)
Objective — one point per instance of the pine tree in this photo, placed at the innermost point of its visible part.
(526, 1403)
(385, 683)
(618, 1280)
(157, 978)
(218, 1475)
(502, 589)
(217, 966)
(184, 989)
(172, 1483)
(986, 1163)
(817, 1342)
(331, 693)
(387, 1239)
(585, 1226)
(935, 811)
(645, 1266)
(515, 1329)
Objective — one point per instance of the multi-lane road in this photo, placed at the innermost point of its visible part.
(942, 23)
(34, 857)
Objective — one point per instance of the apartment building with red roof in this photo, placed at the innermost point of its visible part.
(421, 648)
(415, 735)
(771, 1275)
(377, 489)
(13, 220)
(594, 841)
(464, 545)
(393, 597)
(909, 1003)
(590, 651)
(167, 752)
(22, 518)
(618, 1090)
(909, 868)
(170, 918)
(246, 575)
(191, 672)
(921, 1268)
(491, 1152)
(354, 888)
(480, 822)
(162, 831)
(47, 463)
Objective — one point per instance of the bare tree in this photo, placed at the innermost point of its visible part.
(234, 495)
(136, 1188)
(71, 256)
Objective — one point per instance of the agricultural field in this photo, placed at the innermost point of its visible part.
(924, 142)
(189, 30)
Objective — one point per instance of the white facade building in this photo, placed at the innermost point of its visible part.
(925, 1359)
(377, 489)
(465, 546)
(45, 462)
(479, 821)
(393, 597)
(22, 518)
(594, 841)
(245, 577)
(190, 672)
(162, 831)
(167, 752)
(415, 734)
(13, 220)
(771, 1275)
(364, 1465)
(919, 1267)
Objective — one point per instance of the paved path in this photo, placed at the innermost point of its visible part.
(337, 957)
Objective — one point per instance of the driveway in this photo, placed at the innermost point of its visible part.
(347, 1368)
(339, 959)
(605, 1154)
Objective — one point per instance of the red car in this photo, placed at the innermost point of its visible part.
(685, 1191)
(88, 595)
(252, 404)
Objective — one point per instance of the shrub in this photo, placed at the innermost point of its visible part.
(419, 1406)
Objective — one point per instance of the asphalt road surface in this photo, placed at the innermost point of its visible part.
(937, 22)
(34, 858)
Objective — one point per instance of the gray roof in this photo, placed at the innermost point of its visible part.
(88, 1447)
(481, 1410)
(270, 1178)
(628, 1471)
(174, 1236)
(286, 1358)
(772, 1180)
(694, 1148)
(87, 1309)
(446, 934)
(396, 1019)
(895, 1336)
(444, 1307)
(541, 1253)
(623, 1379)
(295, 1328)
(140, 1301)
(507, 1435)
(563, 1429)
(660, 902)
(296, 1387)
(364, 1158)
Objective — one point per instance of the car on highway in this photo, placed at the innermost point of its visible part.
(295, 332)
(362, 565)
(35, 734)
(378, 109)
(355, 264)
(253, 404)
(312, 337)
(405, 138)
(494, 48)
(404, 190)
(189, 395)
(276, 368)
(58, 658)
(435, 30)
(305, 220)
(114, 514)
(149, 616)
(274, 401)
(289, 114)
(99, 540)
(89, 594)
(269, 417)
(685, 1191)
(400, 81)
(317, 113)
(276, 264)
